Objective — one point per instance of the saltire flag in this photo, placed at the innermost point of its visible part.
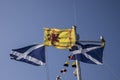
(33, 54)
(59, 38)
(89, 53)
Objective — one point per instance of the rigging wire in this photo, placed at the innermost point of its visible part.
(47, 68)
(74, 12)
(107, 66)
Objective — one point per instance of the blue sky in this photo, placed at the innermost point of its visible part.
(22, 23)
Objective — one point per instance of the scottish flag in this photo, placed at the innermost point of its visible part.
(33, 54)
(89, 53)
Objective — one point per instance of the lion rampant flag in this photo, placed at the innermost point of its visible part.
(59, 38)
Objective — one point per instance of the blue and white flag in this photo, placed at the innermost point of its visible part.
(89, 53)
(33, 54)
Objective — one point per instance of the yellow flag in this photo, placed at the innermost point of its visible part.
(59, 38)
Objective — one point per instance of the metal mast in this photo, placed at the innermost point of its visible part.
(78, 68)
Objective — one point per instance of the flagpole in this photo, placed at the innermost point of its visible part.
(78, 68)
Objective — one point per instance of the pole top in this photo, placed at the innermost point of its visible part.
(74, 26)
(77, 35)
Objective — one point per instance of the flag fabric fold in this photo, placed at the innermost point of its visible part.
(89, 53)
(59, 38)
(33, 54)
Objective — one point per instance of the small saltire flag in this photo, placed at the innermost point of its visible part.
(59, 38)
(33, 54)
(89, 53)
